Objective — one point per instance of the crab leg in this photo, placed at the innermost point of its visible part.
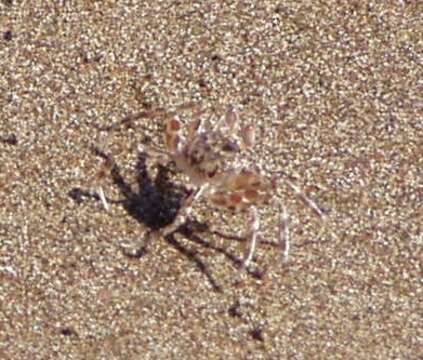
(284, 233)
(102, 197)
(184, 211)
(194, 128)
(252, 237)
(172, 134)
(248, 136)
(313, 206)
(106, 167)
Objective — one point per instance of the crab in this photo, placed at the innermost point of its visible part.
(210, 159)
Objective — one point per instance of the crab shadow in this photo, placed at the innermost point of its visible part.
(156, 204)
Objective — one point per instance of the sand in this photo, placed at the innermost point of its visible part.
(334, 90)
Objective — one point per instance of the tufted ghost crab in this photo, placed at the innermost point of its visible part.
(208, 156)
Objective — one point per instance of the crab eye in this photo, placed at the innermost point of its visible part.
(230, 147)
(210, 168)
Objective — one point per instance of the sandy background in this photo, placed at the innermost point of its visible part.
(335, 91)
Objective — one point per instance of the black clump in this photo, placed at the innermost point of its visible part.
(79, 195)
(235, 309)
(67, 331)
(7, 35)
(10, 139)
(257, 334)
